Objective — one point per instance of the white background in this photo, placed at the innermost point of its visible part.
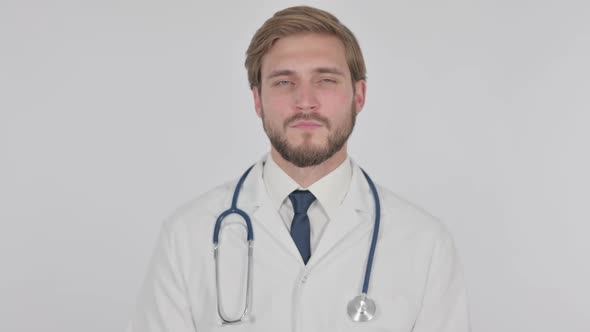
(114, 113)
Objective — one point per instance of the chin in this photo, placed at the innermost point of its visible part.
(311, 144)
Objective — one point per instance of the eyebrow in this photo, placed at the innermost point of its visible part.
(319, 70)
(275, 73)
(329, 70)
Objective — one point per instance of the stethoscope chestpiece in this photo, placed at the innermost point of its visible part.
(361, 308)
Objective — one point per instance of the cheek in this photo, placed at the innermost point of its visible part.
(276, 106)
(336, 102)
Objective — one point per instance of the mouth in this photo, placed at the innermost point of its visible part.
(306, 125)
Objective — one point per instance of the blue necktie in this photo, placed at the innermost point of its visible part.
(300, 228)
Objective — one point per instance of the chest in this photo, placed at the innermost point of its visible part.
(287, 295)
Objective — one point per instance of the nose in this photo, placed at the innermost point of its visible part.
(306, 98)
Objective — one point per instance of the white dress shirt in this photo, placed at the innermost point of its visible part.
(329, 192)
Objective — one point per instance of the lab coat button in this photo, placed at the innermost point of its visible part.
(304, 279)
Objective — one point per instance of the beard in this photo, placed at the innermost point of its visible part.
(307, 153)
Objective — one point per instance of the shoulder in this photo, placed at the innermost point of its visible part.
(408, 217)
(398, 214)
(201, 210)
(203, 207)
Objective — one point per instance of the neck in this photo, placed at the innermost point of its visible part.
(306, 176)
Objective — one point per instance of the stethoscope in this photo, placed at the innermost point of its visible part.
(360, 309)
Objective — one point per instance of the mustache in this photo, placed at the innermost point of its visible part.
(307, 117)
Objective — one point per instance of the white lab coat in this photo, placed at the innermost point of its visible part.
(416, 280)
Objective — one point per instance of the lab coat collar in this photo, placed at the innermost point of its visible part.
(350, 221)
(355, 211)
(255, 200)
(254, 191)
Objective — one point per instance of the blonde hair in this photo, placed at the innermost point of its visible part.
(297, 20)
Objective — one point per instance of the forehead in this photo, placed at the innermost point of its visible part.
(304, 53)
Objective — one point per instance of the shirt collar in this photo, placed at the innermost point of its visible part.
(329, 190)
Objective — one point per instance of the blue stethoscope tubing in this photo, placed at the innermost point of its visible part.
(360, 308)
(234, 210)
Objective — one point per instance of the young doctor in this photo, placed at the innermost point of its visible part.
(304, 241)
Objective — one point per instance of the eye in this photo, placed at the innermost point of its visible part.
(328, 80)
(282, 83)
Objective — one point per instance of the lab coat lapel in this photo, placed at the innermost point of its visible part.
(265, 218)
(353, 217)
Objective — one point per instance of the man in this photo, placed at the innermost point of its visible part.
(312, 214)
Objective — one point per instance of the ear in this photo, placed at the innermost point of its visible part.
(257, 100)
(360, 94)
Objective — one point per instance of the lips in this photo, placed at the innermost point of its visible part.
(307, 121)
(306, 125)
